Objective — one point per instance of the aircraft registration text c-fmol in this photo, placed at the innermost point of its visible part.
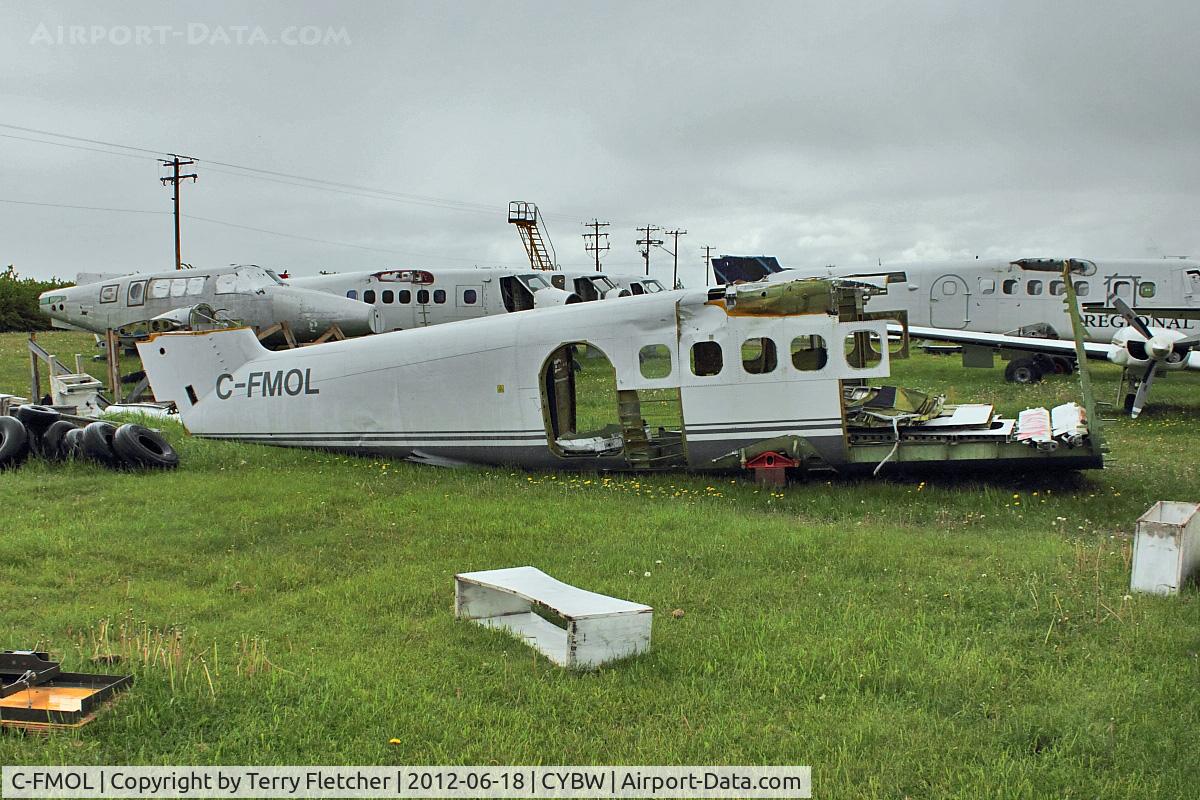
(699, 379)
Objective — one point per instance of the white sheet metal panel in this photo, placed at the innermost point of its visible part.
(1166, 547)
(599, 628)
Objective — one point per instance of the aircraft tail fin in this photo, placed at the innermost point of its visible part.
(184, 367)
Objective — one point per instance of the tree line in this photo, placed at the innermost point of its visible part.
(19, 301)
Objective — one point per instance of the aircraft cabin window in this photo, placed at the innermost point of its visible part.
(987, 285)
(636, 288)
(1057, 288)
(369, 296)
(423, 296)
(470, 297)
(439, 295)
(654, 360)
(1081, 288)
(871, 353)
(352, 294)
(706, 359)
(388, 296)
(196, 285)
(1034, 287)
(137, 293)
(405, 297)
(1009, 286)
(759, 356)
(108, 294)
(1147, 289)
(1120, 287)
(226, 284)
(178, 287)
(809, 353)
(160, 288)
(949, 287)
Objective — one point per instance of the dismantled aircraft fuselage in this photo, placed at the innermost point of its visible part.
(689, 379)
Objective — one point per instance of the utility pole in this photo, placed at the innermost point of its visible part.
(707, 262)
(647, 242)
(675, 234)
(591, 241)
(174, 178)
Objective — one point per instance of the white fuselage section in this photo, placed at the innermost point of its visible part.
(997, 296)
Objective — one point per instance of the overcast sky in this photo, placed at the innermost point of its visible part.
(830, 133)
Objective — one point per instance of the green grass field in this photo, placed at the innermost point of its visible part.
(938, 637)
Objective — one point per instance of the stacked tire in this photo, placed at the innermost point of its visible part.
(42, 431)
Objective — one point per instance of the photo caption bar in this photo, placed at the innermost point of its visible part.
(406, 781)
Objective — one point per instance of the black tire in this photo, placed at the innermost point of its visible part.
(37, 419)
(1063, 365)
(73, 444)
(53, 444)
(140, 446)
(1022, 370)
(96, 443)
(14, 443)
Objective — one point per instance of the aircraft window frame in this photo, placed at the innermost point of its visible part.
(816, 345)
(352, 294)
(875, 347)
(768, 355)
(226, 284)
(387, 297)
(1082, 288)
(949, 287)
(1033, 287)
(439, 296)
(649, 355)
(714, 351)
(987, 285)
(422, 297)
(136, 298)
(110, 293)
(1057, 288)
(1147, 285)
(196, 285)
(369, 296)
(404, 297)
(1009, 286)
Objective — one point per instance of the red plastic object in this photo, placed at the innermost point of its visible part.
(770, 468)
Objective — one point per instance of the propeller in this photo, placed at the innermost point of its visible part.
(1159, 349)
(1130, 318)
(1143, 390)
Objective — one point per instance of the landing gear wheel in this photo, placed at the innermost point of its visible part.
(53, 444)
(1063, 365)
(140, 446)
(96, 443)
(1022, 370)
(14, 442)
(37, 419)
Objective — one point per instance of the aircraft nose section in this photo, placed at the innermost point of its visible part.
(316, 312)
(1159, 347)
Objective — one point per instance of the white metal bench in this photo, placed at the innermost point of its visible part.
(598, 628)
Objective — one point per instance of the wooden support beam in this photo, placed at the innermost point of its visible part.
(112, 346)
(35, 382)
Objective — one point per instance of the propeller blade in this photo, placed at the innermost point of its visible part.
(1130, 318)
(1188, 341)
(1139, 400)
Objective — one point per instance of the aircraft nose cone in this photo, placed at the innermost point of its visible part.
(1159, 347)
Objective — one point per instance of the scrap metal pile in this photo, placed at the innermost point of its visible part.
(42, 431)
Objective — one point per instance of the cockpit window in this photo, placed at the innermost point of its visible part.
(108, 294)
(535, 283)
(653, 286)
(603, 284)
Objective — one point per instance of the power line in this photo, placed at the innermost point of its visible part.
(707, 262)
(407, 254)
(591, 241)
(266, 174)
